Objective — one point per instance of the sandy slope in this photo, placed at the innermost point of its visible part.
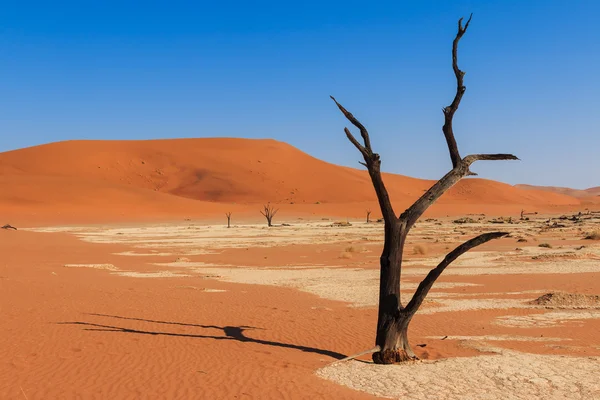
(579, 193)
(58, 199)
(89, 180)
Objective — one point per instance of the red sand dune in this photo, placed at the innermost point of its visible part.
(120, 180)
(580, 193)
(589, 198)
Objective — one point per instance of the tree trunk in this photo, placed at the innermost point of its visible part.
(392, 322)
(395, 346)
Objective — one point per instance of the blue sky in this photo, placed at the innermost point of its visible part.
(144, 70)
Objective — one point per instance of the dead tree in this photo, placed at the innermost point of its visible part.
(269, 212)
(391, 342)
(8, 226)
(368, 215)
(228, 215)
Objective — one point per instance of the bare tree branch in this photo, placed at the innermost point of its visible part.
(470, 159)
(414, 212)
(435, 273)
(353, 140)
(372, 162)
(363, 131)
(460, 90)
(460, 167)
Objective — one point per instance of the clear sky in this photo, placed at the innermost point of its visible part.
(256, 69)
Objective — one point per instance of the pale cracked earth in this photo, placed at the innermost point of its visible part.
(507, 375)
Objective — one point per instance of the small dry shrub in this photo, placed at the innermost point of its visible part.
(348, 251)
(546, 245)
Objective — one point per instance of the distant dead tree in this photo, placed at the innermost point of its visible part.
(269, 212)
(8, 226)
(368, 215)
(393, 317)
(228, 215)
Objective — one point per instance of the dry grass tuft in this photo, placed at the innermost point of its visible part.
(419, 249)
(595, 235)
(348, 251)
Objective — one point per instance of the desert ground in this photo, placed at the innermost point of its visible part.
(191, 310)
(122, 280)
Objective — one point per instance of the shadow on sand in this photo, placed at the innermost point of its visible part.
(229, 333)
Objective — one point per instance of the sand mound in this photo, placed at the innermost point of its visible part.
(161, 176)
(566, 300)
(509, 375)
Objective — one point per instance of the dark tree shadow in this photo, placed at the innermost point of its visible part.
(229, 333)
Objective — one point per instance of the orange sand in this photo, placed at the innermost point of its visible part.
(585, 193)
(100, 181)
